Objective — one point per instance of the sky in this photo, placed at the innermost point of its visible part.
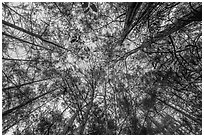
(22, 52)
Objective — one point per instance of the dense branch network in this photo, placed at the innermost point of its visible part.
(102, 68)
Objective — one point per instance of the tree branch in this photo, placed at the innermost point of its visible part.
(32, 34)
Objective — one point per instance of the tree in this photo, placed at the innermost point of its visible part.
(101, 68)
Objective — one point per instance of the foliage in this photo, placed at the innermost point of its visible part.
(102, 68)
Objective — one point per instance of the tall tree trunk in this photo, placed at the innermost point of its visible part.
(21, 40)
(69, 123)
(21, 85)
(7, 112)
(197, 120)
(5, 129)
(32, 34)
(177, 25)
(83, 125)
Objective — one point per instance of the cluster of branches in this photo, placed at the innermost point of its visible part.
(102, 68)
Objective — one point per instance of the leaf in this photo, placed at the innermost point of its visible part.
(85, 5)
(94, 8)
(87, 10)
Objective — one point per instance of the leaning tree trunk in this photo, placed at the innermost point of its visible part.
(7, 112)
(177, 25)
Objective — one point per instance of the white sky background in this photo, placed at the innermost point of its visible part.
(79, 1)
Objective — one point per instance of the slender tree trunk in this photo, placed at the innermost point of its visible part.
(197, 120)
(179, 23)
(83, 125)
(28, 83)
(69, 123)
(143, 16)
(7, 112)
(8, 127)
(105, 109)
(160, 128)
(21, 40)
(31, 33)
(15, 59)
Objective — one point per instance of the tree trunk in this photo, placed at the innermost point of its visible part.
(197, 120)
(82, 127)
(69, 124)
(7, 112)
(28, 83)
(179, 23)
(31, 33)
(21, 40)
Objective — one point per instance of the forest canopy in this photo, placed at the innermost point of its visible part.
(102, 68)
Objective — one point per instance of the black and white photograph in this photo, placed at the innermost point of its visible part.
(101, 68)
